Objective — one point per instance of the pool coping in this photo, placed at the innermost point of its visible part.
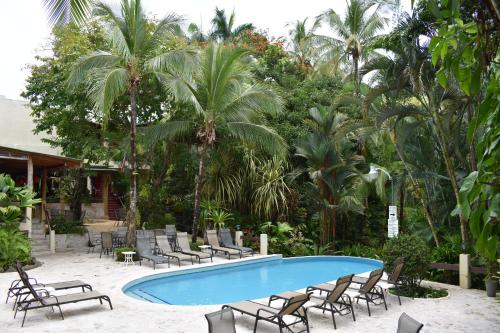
(214, 266)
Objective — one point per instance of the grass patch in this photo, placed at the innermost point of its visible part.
(420, 292)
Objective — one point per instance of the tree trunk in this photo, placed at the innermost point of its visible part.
(198, 190)
(133, 169)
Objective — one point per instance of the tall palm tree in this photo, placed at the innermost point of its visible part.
(302, 42)
(223, 29)
(332, 165)
(133, 58)
(360, 25)
(226, 104)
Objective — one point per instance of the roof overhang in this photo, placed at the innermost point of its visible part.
(12, 160)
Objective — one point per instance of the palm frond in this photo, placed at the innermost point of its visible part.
(65, 11)
(259, 135)
(167, 131)
(99, 59)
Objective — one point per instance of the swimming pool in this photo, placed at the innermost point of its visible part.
(251, 279)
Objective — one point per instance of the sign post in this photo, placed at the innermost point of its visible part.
(392, 222)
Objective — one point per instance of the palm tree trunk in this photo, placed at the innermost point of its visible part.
(450, 169)
(419, 195)
(355, 61)
(133, 169)
(198, 190)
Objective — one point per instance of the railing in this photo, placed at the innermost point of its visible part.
(456, 267)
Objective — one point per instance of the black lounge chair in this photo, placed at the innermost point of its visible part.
(165, 250)
(145, 251)
(171, 233)
(17, 287)
(221, 321)
(291, 307)
(336, 300)
(227, 241)
(183, 247)
(370, 291)
(394, 279)
(34, 300)
(213, 241)
(94, 240)
(407, 324)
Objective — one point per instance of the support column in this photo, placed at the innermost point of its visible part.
(105, 198)
(44, 195)
(464, 271)
(29, 211)
(263, 244)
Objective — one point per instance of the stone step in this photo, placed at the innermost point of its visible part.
(38, 248)
(40, 253)
(39, 236)
(46, 244)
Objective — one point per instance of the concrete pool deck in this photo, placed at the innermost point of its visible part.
(462, 311)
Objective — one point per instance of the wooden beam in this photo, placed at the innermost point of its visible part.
(29, 211)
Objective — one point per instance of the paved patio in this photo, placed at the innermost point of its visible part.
(461, 311)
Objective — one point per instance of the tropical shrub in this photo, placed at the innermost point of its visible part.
(417, 257)
(62, 226)
(13, 199)
(121, 257)
(14, 245)
(363, 251)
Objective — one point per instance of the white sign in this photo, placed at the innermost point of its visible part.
(392, 222)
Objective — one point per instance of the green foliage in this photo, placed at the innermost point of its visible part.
(417, 257)
(157, 220)
(12, 199)
(62, 226)
(121, 257)
(449, 251)
(14, 246)
(360, 250)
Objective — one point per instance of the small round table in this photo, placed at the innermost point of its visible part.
(205, 248)
(129, 257)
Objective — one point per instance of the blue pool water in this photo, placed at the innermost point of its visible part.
(252, 280)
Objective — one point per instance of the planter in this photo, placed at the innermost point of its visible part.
(491, 288)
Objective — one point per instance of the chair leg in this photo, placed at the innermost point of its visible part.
(24, 317)
(368, 306)
(60, 311)
(352, 308)
(383, 300)
(255, 325)
(333, 316)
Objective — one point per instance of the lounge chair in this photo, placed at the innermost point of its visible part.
(94, 240)
(166, 250)
(145, 251)
(171, 233)
(336, 300)
(17, 287)
(34, 300)
(227, 241)
(291, 307)
(394, 279)
(370, 291)
(213, 241)
(183, 247)
(221, 321)
(407, 324)
(107, 244)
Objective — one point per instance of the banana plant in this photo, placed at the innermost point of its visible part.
(13, 199)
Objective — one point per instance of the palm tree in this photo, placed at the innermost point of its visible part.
(302, 42)
(223, 28)
(133, 58)
(332, 165)
(360, 25)
(227, 105)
